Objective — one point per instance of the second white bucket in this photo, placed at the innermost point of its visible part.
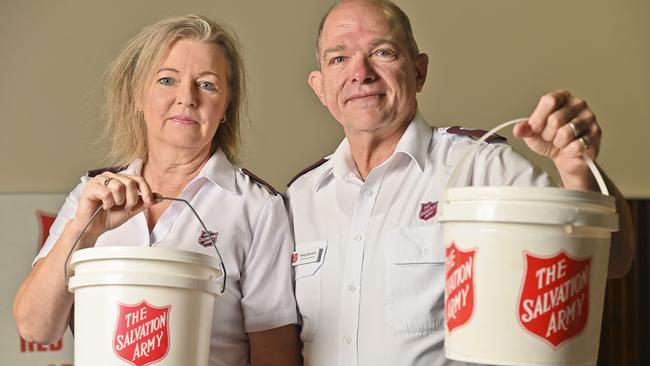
(525, 274)
(142, 305)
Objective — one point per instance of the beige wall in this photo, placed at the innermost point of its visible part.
(490, 61)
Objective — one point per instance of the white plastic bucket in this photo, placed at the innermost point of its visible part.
(143, 305)
(526, 269)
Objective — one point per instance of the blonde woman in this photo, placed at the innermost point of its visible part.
(175, 95)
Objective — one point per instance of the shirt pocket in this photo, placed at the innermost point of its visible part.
(415, 275)
(308, 286)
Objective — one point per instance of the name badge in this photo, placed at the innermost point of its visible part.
(307, 256)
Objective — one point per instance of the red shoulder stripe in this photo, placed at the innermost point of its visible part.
(112, 169)
(307, 169)
(260, 181)
(475, 134)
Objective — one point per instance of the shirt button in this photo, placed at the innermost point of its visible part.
(358, 237)
(347, 340)
(369, 192)
(352, 288)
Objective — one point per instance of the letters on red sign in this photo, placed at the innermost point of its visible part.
(554, 300)
(142, 333)
(459, 286)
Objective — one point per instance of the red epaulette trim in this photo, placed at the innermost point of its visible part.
(307, 169)
(476, 134)
(260, 181)
(112, 169)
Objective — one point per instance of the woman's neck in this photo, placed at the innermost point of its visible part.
(168, 173)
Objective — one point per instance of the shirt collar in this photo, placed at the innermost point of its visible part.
(413, 143)
(217, 169)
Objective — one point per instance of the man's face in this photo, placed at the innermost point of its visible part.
(367, 79)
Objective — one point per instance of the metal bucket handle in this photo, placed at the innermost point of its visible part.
(590, 163)
(157, 197)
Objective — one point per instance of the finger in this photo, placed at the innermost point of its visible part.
(547, 104)
(146, 194)
(522, 129)
(582, 124)
(115, 185)
(561, 117)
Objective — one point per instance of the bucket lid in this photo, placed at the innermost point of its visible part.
(141, 279)
(145, 253)
(534, 205)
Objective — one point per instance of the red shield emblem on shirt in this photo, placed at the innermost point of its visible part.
(459, 286)
(206, 238)
(554, 300)
(141, 333)
(428, 210)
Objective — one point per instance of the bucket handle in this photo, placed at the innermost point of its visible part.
(157, 197)
(590, 163)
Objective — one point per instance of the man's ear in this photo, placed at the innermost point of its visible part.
(421, 66)
(315, 80)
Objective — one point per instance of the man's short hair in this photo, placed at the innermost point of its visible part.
(399, 21)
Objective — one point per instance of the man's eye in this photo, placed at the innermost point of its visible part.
(337, 60)
(166, 81)
(387, 54)
(207, 85)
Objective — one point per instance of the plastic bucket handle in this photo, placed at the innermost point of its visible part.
(156, 196)
(590, 163)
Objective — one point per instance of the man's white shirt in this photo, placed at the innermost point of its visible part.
(369, 259)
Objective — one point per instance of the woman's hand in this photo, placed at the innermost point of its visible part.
(563, 128)
(121, 197)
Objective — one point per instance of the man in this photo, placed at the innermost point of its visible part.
(366, 292)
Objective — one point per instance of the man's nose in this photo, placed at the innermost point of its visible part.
(362, 71)
(187, 94)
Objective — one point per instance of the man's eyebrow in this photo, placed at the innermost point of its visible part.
(334, 49)
(380, 41)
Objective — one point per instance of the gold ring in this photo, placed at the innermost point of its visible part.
(108, 180)
(584, 143)
(574, 128)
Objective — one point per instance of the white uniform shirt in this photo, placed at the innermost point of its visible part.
(253, 237)
(369, 263)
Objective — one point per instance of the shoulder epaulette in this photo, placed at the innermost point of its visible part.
(112, 169)
(260, 181)
(307, 169)
(475, 134)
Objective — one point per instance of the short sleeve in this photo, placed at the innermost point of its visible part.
(66, 213)
(266, 281)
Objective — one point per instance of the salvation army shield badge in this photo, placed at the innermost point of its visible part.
(141, 333)
(554, 299)
(428, 210)
(459, 286)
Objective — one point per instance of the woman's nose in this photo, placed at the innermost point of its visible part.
(187, 94)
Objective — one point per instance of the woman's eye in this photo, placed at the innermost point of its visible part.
(166, 81)
(207, 85)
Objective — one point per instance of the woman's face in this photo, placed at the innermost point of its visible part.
(187, 97)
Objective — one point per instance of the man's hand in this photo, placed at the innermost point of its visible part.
(563, 128)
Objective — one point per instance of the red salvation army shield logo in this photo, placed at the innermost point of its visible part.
(428, 210)
(459, 286)
(554, 300)
(141, 333)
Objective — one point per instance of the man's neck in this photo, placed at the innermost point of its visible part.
(370, 150)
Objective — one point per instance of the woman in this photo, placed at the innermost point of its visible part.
(175, 94)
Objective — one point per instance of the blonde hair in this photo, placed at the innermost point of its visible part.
(127, 77)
